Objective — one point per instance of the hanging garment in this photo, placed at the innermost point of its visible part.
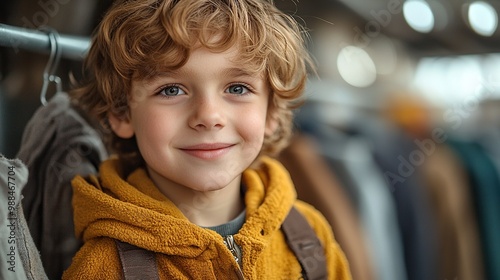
(351, 160)
(19, 258)
(394, 152)
(376, 208)
(57, 144)
(451, 201)
(484, 180)
(317, 185)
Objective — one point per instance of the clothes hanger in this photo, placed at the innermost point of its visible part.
(51, 67)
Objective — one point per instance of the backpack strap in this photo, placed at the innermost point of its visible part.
(305, 244)
(137, 263)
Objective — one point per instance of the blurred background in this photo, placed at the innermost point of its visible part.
(397, 142)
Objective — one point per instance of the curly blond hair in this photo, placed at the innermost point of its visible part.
(138, 38)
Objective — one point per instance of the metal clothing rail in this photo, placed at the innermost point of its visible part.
(71, 47)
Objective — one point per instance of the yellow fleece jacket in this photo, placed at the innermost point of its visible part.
(136, 212)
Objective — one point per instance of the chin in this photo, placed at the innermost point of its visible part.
(209, 187)
(211, 184)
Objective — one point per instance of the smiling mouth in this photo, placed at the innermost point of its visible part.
(208, 151)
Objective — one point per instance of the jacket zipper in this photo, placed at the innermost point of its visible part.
(236, 252)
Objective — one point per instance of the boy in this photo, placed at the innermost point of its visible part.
(198, 94)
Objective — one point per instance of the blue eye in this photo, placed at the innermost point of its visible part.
(171, 91)
(237, 89)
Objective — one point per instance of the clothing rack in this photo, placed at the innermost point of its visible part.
(71, 47)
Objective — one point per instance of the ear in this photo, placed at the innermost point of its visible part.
(121, 126)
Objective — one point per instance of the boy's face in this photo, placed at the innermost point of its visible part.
(201, 125)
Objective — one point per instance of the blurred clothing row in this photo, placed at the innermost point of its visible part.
(401, 207)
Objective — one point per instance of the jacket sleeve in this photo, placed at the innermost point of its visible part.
(338, 267)
(97, 259)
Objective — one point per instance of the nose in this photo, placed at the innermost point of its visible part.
(207, 113)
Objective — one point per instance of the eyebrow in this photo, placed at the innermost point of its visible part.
(155, 77)
(238, 72)
(233, 72)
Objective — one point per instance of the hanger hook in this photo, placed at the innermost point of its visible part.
(51, 67)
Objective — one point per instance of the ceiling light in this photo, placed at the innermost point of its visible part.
(483, 18)
(356, 67)
(418, 15)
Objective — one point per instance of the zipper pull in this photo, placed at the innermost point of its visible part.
(233, 248)
(236, 252)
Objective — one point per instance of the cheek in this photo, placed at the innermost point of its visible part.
(151, 126)
(253, 125)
